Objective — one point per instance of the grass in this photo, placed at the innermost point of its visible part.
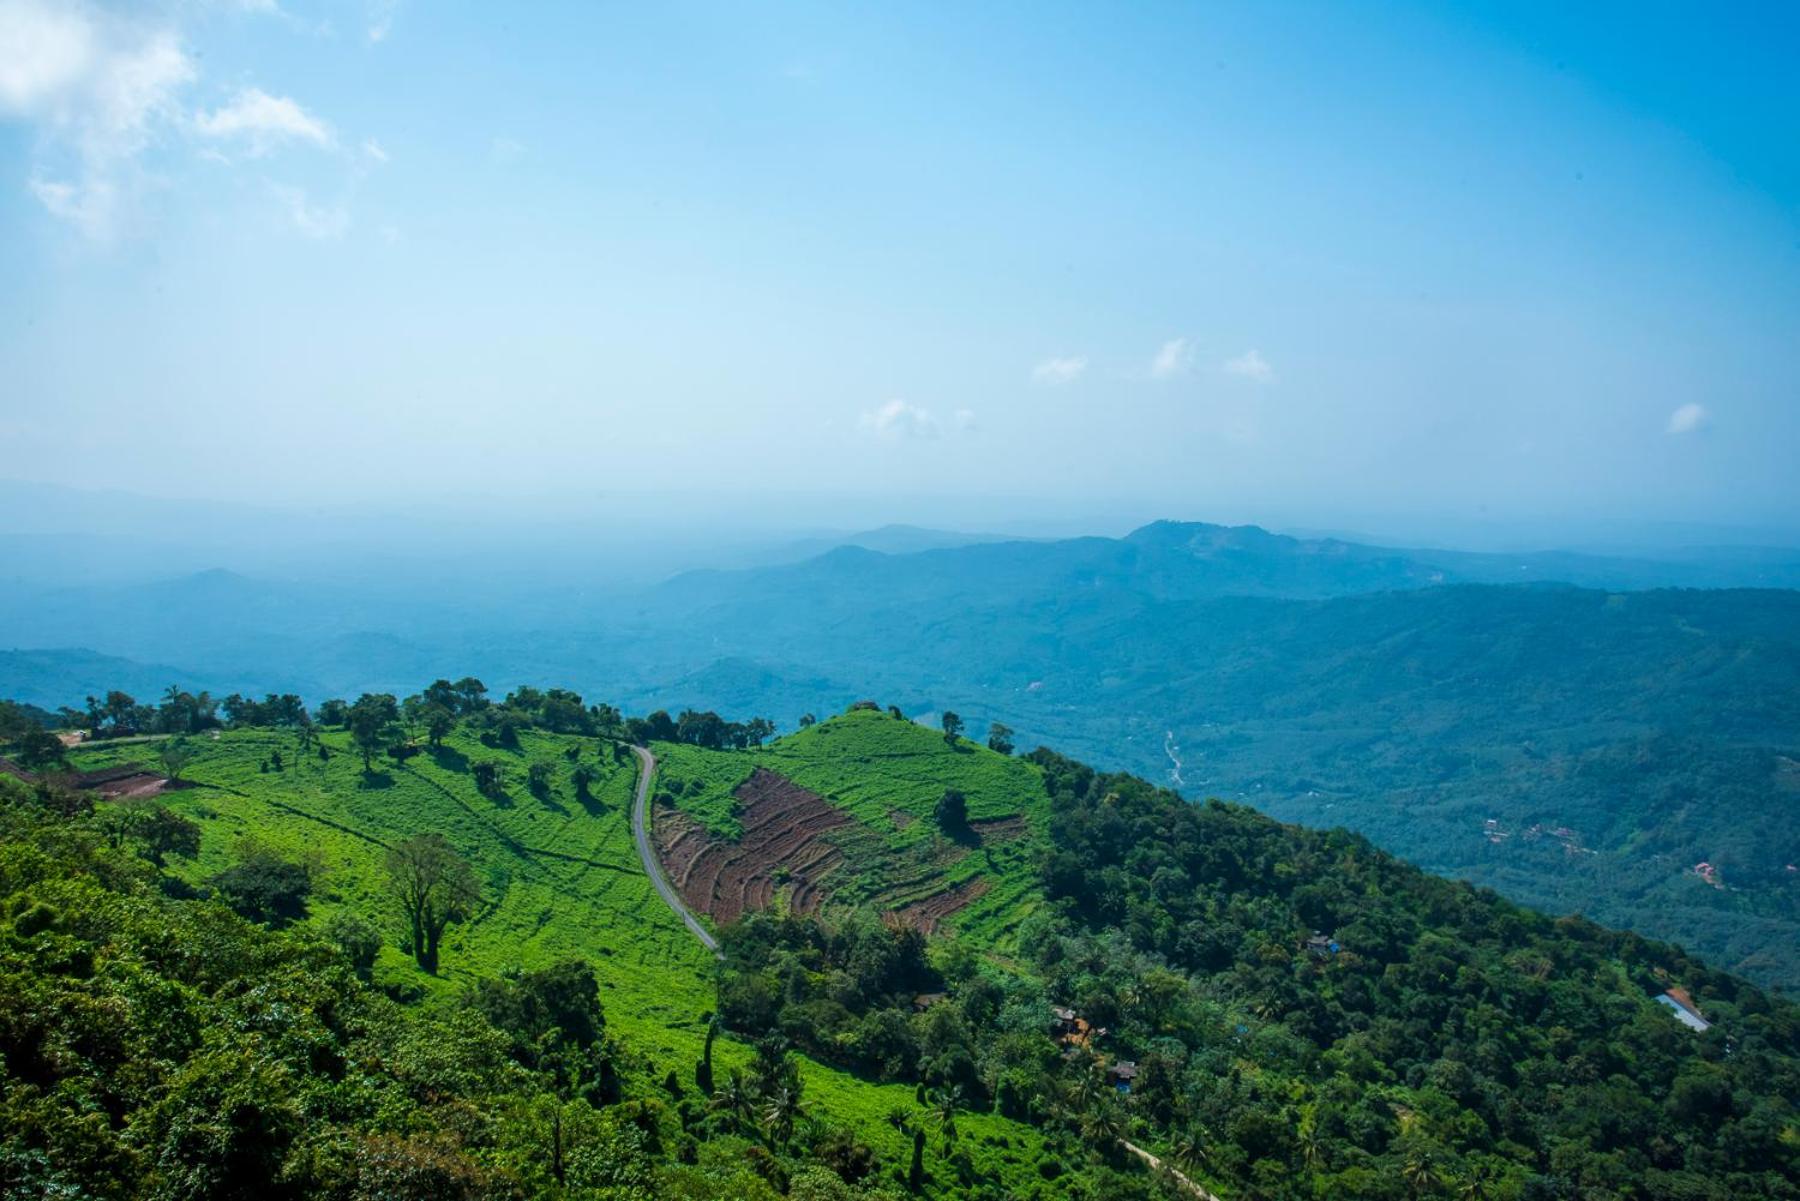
(561, 877)
(888, 774)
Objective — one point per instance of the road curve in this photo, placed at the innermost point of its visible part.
(640, 833)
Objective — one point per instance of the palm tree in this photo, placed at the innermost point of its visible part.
(1103, 1125)
(1312, 1146)
(1421, 1174)
(1189, 1151)
(733, 1099)
(943, 1111)
(1478, 1187)
(781, 1109)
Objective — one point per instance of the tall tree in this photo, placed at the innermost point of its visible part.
(434, 886)
(953, 726)
(374, 722)
(1000, 738)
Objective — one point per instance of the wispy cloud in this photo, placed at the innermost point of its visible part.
(1688, 419)
(374, 151)
(1060, 370)
(897, 419)
(262, 121)
(1251, 366)
(100, 88)
(963, 419)
(320, 222)
(1173, 358)
(381, 19)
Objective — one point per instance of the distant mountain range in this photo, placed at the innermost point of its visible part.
(1413, 695)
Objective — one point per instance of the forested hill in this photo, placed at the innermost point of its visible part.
(405, 950)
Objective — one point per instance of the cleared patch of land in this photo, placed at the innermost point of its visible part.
(845, 813)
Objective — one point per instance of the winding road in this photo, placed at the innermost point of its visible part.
(640, 833)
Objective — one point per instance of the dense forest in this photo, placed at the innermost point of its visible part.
(1294, 1014)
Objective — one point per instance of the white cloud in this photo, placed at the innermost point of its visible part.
(100, 87)
(381, 19)
(964, 419)
(373, 150)
(1060, 370)
(897, 419)
(46, 51)
(1174, 358)
(262, 121)
(1689, 418)
(1251, 366)
(315, 221)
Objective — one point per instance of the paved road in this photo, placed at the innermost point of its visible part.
(640, 831)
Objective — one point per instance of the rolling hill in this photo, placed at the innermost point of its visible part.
(1010, 976)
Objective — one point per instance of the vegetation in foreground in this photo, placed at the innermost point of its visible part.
(1281, 1013)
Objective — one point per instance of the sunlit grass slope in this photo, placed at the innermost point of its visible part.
(560, 878)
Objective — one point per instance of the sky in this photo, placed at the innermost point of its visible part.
(1335, 265)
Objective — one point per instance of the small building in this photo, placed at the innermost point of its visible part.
(1122, 1074)
(1070, 1028)
(1323, 945)
(926, 1000)
(1684, 1009)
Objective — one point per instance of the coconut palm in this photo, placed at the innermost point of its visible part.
(1189, 1151)
(782, 1107)
(943, 1112)
(734, 1099)
(1421, 1174)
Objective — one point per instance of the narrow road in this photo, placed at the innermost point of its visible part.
(1154, 1163)
(640, 831)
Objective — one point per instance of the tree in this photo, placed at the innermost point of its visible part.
(953, 726)
(704, 1075)
(734, 1099)
(374, 722)
(434, 887)
(537, 777)
(265, 887)
(175, 755)
(807, 719)
(944, 1109)
(156, 832)
(1000, 738)
(782, 1107)
(333, 712)
(952, 812)
(357, 938)
(438, 724)
(487, 778)
(1421, 1174)
(584, 778)
(38, 747)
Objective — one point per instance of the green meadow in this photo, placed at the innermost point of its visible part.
(561, 877)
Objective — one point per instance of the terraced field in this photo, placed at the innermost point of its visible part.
(559, 878)
(843, 813)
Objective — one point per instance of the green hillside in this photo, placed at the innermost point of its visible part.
(889, 774)
(559, 878)
(998, 977)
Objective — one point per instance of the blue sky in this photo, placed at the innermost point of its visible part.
(1332, 265)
